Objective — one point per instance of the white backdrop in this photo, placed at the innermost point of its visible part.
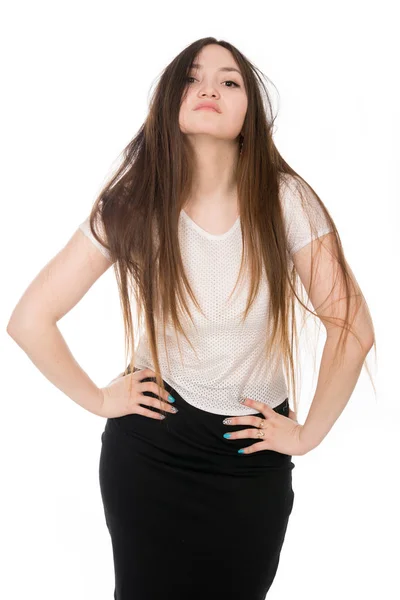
(76, 79)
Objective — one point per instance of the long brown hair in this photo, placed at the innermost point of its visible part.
(136, 218)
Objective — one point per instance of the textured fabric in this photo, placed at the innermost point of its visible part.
(189, 517)
(228, 360)
(85, 227)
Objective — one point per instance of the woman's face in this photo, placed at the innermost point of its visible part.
(225, 88)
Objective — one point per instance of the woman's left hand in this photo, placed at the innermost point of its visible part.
(281, 434)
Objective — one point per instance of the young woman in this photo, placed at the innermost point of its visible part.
(217, 237)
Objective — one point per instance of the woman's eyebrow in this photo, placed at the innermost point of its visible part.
(225, 69)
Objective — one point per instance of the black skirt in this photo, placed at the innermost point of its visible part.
(188, 516)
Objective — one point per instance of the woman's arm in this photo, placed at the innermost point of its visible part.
(33, 324)
(336, 379)
(336, 383)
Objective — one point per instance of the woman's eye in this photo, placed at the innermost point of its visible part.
(229, 81)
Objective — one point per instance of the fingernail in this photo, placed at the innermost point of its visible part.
(241, 451)
(171, 398)
(174, 409)
(227, 435)
(227, 421)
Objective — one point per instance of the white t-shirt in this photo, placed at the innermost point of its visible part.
(228, 360)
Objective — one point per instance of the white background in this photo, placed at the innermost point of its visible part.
(76, 82)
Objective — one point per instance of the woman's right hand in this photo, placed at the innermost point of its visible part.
(124, 396)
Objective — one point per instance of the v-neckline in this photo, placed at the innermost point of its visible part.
(216, 236)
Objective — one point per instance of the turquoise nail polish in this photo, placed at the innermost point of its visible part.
(171, 398)
(241, 451)
(227, 435)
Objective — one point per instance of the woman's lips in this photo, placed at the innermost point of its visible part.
(206, 108)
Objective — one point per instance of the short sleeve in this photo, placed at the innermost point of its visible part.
(300, 207)
(85, 227)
